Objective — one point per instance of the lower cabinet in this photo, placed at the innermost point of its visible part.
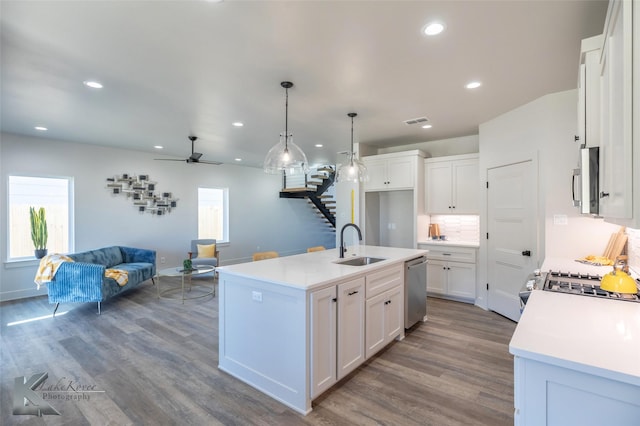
(352, 321)
(384, 319)
(451, 272)
(337, 333)
(547, 394)
(350, 326)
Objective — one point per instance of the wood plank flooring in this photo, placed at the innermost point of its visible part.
(156, 363)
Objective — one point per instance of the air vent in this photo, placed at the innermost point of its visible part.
(419, 120)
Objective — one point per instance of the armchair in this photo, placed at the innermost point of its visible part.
(197, 257)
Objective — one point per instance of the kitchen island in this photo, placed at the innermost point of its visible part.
(293, 326)
(577, 361)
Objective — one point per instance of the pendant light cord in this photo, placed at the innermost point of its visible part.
(286, 119)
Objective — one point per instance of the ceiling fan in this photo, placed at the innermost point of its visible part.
(194, 157)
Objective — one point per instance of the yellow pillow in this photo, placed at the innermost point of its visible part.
(206, 250)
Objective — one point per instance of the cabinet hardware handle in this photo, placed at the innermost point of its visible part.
(335, 299)
(526, 253)
(604, 194)
(446, 254)
(576, 138)
(352, 293)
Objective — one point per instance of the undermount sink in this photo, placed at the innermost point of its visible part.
(359, 261)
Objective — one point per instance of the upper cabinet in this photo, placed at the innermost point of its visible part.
(619, 149)
(452, 184)
(393, 171)
(589, 92)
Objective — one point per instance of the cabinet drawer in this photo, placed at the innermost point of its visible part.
(454, 254)
(381, 281)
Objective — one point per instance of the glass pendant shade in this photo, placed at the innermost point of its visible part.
(354, 170)
(286, 156)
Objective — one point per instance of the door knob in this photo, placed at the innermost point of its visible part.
(526, 253)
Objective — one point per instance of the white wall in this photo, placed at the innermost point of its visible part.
(258, 218)
(543, 129)
(439, 148)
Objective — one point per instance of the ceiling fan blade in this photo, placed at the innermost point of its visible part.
(195, 156)
(169, 159)
(215, 163)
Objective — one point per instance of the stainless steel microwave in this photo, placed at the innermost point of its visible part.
(586, 192)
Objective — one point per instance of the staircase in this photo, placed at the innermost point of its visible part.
(314, 188)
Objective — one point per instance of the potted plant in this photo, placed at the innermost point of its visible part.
(39, 232)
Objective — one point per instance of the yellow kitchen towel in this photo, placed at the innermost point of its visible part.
(120, 275)
(48, 267)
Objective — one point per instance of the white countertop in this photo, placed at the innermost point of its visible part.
(588, 334)
(570, 265)
(474, 244)
(310, 270)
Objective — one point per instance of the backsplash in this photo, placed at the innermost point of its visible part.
(633, 248)
(458, 227)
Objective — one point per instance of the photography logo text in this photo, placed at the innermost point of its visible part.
(31, 397)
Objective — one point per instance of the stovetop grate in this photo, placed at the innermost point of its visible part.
(583, 285)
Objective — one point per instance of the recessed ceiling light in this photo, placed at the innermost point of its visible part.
(318, 145)
(238, 159)
(158, 146)
(427, 126)
(473, 85)
(238, 124)
(433, 28)
(93, 84)
(40, 128)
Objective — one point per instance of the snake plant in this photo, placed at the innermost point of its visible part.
(38, 228)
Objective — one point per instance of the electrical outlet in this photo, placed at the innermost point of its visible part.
(163, 259)
(257, 296)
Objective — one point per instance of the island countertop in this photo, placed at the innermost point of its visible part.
(311, 270)
(588, 334)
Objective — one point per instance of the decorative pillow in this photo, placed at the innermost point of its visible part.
(206, 250)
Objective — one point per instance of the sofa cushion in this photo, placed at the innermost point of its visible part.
(137, 272)
(108, 256)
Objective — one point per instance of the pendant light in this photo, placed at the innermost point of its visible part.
(354, 170)
(286, 156)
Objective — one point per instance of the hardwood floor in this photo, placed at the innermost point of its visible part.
(155, 362)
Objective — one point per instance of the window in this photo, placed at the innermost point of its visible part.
(55, 195)
(213, 213)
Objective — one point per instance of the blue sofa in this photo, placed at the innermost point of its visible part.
(83, 280)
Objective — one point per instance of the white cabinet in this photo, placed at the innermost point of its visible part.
(546, 394)
(337, 333)
(619, 97)
(451, 272)
(384, 311)
(589, 92)
(350, 325)
(323, 344)
(452, 185)
(389, 172)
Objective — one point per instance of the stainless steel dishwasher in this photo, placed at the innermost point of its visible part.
(415, 291)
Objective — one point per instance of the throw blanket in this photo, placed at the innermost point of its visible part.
(48, 267)
(120, 275)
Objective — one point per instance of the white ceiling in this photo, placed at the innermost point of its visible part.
(175, 68)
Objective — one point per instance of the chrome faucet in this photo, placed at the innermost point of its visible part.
(342, 246)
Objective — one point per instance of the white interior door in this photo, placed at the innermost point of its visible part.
(511, 214)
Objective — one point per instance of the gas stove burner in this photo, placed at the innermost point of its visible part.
(582, 284)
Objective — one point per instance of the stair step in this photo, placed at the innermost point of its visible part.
(294, 190)
(325, 169)
(325, 196)
(315, 182)
(318, 176)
